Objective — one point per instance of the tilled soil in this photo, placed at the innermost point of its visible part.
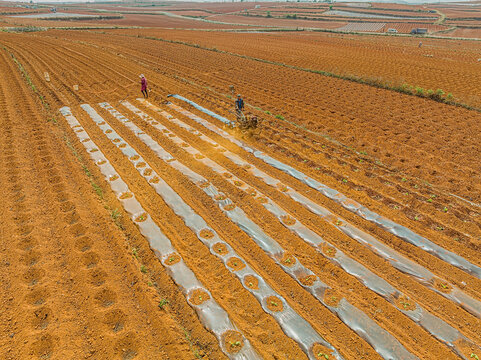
(83, 282)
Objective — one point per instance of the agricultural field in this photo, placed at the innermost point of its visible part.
(346, 225)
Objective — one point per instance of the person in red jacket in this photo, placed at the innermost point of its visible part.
(143, 84)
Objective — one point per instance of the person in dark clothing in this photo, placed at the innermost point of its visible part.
(239, 104)
(143, 84)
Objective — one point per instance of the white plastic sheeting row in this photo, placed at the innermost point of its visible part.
(396, 229)
(429, 322)
(212, 316)
(292, 323)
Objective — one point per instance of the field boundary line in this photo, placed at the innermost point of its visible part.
(405, 88)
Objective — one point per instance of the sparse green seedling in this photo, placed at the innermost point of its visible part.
(416, 218)
(143, 269)
(445, 209)
(234, 343)
(404, 179)
(273, 303)
(440, 228)
(267, 112)
(444, 286)
(363, 152)
(251, 284)
(280, 117)
(171, 259)
(338, 222)
(430, 200)
(344, 180)
(149, 283)
(325, 356)
(135, 252)
(474, 356)
(163, 302)
(456, 239)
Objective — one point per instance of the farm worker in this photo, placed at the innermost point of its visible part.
(239, 104)
(143, 84)
(420, 44)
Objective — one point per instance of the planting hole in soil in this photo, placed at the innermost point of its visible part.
(122, 145)
(170, 160)
(328, 250)
(117, 140)
(134, 157)
(251, 282)
(262, 200)
(147, 172)
(125, 195)
(172, 259)
(273, 303)
(94, 150)
(229, 207)
(154, 180)
(101, 162)
(238, 183)
(220, 248)
(199, 156)
(288, 220)
(204, 185)
(227, 175)
(247, 166)
(288, 259)
(404, 303)
(469, 350)
(442, 286)
(113, 177)
(141, 165)
(233, 341)
(206, 234)
(307, 280)
(235, 263)
(220, 197)
(142, 217)
(322, 353)
(198, 296)
(185, 145)
(332, 297)
(108, 131)
(85, 140)
(251, 192)
(282, 187)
